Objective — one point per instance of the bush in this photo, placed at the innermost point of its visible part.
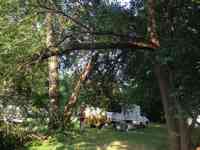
(12, 137)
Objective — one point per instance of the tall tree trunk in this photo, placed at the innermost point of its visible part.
(74, 96)
(168, 106)
(185, 135)
(184, 128)
(53, 65)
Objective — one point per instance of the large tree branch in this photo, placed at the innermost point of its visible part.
(45, 53)
(151, 45)
(68, 109)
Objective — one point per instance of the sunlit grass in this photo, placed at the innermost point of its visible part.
(151, 138)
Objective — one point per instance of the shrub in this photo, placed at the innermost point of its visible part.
(12, 137)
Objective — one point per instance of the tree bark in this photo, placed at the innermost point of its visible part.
(184, 128)
(172, 127)
(53, 65)
(185, 135)
(178, 129)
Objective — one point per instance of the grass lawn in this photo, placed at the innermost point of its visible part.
(153, 137)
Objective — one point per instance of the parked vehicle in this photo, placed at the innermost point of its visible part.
(130, 116)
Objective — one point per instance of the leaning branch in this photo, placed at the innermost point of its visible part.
(45, 53)
(68, 109)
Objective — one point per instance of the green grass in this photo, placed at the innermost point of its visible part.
(152, 138)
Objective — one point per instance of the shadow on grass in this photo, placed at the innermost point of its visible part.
(151, 138)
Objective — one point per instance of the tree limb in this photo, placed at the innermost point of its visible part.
(45, 53)
(75, 94)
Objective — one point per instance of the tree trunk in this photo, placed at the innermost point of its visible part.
(185, 135)
(172, 127)
(185, 129)
(53, 65)
(73, 98)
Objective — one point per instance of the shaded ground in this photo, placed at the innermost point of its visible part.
(152, 138)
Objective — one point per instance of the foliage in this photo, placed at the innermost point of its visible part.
(119, 76)
(12, 136)
(21, 34)
(180, 51)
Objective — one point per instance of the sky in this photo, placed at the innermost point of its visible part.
(124, 2)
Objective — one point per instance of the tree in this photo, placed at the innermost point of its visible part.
(20, 37)
(53, 74)
(168, 65)
(86, 27)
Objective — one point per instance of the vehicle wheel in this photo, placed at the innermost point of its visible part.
(92, 126)
(101, 126)
(121, 126)
(124, 126)
(142, 125)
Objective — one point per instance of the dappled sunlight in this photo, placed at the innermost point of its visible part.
(121, 145)
(79, 145)
(114, 145)
(84, 145)
(157, 125)
(117, 145)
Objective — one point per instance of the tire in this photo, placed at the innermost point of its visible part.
(142, 125)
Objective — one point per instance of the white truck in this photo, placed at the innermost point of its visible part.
(129, 117)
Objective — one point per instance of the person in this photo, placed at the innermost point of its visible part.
(82, 117)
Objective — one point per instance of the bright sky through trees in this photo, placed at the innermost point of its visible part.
(124, 3)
